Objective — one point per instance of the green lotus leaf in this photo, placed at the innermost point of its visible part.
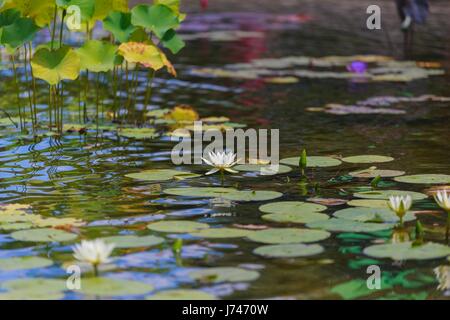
(425, 179)
(161, 175)
(157, 18)
(119, 24)
(172, 41)
(385, 194)
(177, 226)
(313, 161)
(224, 274)
(265, 170)
(97, 56)
(107, 287)
(367, 159)
(288, 250)
(221, 233)
(56, 65)
(182, 294)
(23, 263)
(408, 251)
(363, 214)
(130, 241)
(41, 11)
(287, 235)
(43, 235)
(16, 30)
(373, 173)
(87, 7)
(346, 225)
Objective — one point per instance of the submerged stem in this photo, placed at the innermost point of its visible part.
(13, 59)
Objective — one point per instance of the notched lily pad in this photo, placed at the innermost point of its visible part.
(385, 194)
(406, 251)
(161, 175)
(264, 170)
(288, 250)
(108, 287)
(313, 161)
(373, 173)
(138, 133)
(379, 215)
(369, 203)
(345, 225)
(224, 274)
(295, 217)
(177, 226)
(221, 233)
(43, 235)
(291, 207)
(287, 235)
(425, 179)
(133, 241)
(367, 159)
(23, 263)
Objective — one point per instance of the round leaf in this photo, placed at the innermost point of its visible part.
(224, 274)
(22, 263)
(182, 294)
(134, 241)
(160, 175)
(407, 251)
(287, 235)
(313, 161)
(363, 214)
(425, 179)
(367, 159)
(385, 194)
(97, 56)
(288, 250)
(345, 225)
(177, 226)
(113, 287)
(221, 233)
(43, 235)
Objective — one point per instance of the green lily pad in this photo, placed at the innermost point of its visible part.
(205, 192)
(287, 235)
(23, 263)
(182, 294)
(288, 250)
(345, 225)
(26, 295)
(224, 274)
(313, 161)
(291, 207)
(108, 287)
(373, 173)
(138, 133)
(425, 179)
(265, 170)
(221, 233)
(134, 241)
(364, 214)
(16, 226)
(406, 251)
(297, 217)
(35, 285)
(259, 195)
(177, 226)
(43, 235)
(367, 159)
(385, 194)
(369, 203)
(161, 175)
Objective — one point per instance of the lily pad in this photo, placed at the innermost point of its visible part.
(406, 251)
(385, 194)
(345, 225)
(288, 250)
(23, 263)
(287, 235)
(264, 170)
(259, 195)
(364, 214)
(108, 287)
(224, 274)
(297, 217)
(205, 192)
(291, 207)
(367, 159)
(425, 179)
(370, 203)
(43, 235)
(161, 175)
(182, 294)
(138, 133)
(372, 173)
(221, 233)
(313, 161)
(177, 226)
(27, 295)
(134, 241)
(35, 285)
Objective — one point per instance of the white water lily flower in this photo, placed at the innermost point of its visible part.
(442, 198)
(221, 161)
(400, 205)
(443, 276)
(94, 252)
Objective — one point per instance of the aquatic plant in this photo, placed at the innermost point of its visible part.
(221, 162)
(94, 252)
(400, 205)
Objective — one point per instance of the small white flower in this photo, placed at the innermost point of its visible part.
(443, 276)
(400, 205)
(94, 252)
(221, 161)
(442, 198)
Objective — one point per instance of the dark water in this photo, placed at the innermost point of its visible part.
(83, 176)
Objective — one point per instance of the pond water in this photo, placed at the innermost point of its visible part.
(83, 175)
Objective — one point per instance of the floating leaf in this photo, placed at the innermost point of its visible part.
(43, 235)
(182, 113)
(161, 175)
(363, 214)
(370, 203)
(119, 24)
(22, 263)
(138, 133)
(291, 207)
(373, 173)
(133, 241)
(34, 286)
(177, 226)
(27, 295)
(97, 56)
(182, 294)
(328, 201)
(287, 235)
(224, 274)
(367, 159)
(406, 251)
(108, 287)
(385, 194)
(356, 288)
(313, 161)
(259, 195)
(56, 65)
(298, 217)
(156, 18)
(221, 233)
(288, 250)
(425, 179)
(205, 192)
(263, 169)
(345, 225)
